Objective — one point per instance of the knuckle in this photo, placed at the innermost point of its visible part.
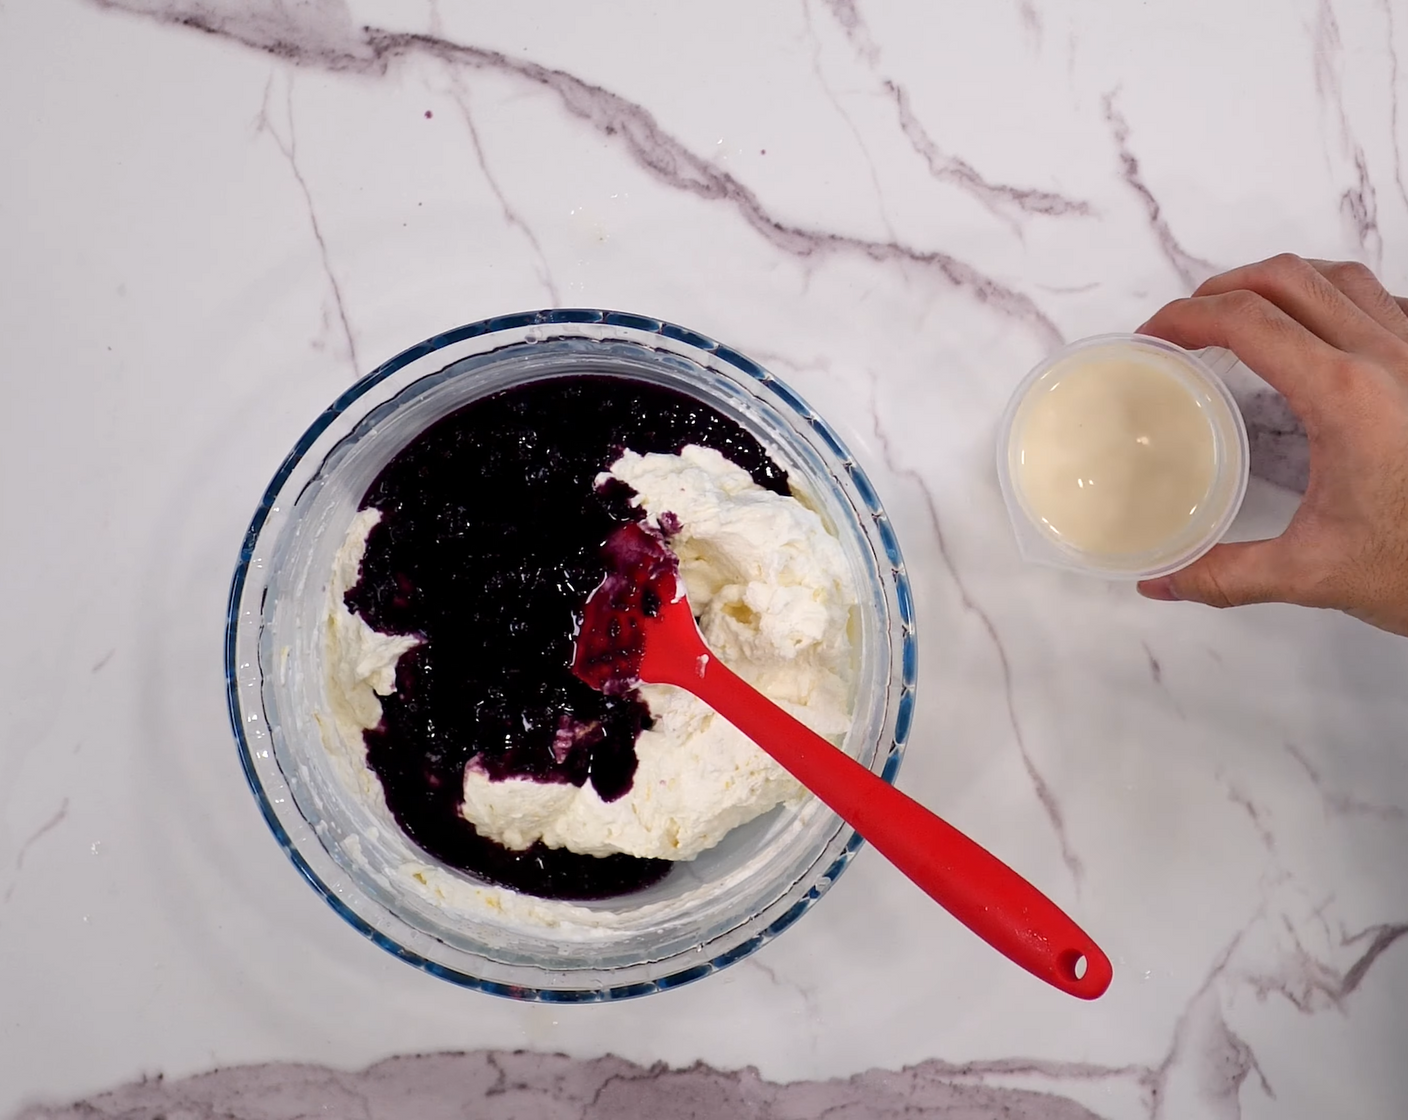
(1216, 595)
(1265, 316)
(1270, 274)
(1239, 300)
(1286, 267)
(1245, 303)
(1202, 584)
(1345, 375)
(1179, 308)
(1352, 274)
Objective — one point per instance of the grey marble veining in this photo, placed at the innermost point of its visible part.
(492, 1084)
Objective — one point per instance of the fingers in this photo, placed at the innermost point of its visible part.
(1362, 288)
(1232, 575)
(1314, 299)
(1292, 359)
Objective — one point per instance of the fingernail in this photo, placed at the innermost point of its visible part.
(1160, 589)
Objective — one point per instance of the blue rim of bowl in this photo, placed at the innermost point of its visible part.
(781, 392)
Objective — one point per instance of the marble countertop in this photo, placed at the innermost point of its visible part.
(216, 214)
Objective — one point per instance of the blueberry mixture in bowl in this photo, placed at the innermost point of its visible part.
(489, 543)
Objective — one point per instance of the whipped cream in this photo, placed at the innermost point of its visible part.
(361, 665)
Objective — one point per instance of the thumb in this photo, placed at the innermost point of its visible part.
(1228, 576)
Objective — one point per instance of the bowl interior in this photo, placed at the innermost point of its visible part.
(311, 782)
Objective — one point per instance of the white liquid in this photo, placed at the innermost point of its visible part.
(1115, 453)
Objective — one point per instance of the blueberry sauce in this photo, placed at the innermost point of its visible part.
(490, 541)
(641, 573)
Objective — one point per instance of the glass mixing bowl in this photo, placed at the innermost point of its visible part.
(706, 913)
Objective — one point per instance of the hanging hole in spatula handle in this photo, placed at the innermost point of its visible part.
(978, 889)
(1084, 973)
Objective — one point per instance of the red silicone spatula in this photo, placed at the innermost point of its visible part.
(637, 626)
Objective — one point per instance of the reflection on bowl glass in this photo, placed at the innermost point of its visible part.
(707, 912)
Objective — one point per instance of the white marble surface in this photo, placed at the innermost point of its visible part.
(214, 214)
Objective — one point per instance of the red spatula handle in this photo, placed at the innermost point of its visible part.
(970, 883)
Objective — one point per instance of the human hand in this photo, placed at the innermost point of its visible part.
(1334, 343)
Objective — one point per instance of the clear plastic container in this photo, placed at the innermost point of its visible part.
(1200, 374)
